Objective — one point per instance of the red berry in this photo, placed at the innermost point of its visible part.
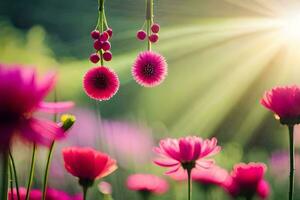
(97, 44)
(153, 37)
(94, 58)
(104, 37)
(155, 28)
(141, 35)
(106, 46)
(110, 32)
(107, 56)
(95, 34)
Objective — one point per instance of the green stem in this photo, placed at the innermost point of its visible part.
(47, 169)
(189, 171)
(4, 182)
(11, 178)
(30, 179)
(100, 24)
(292, 161)
(149, 19)
(85, 189)
(12, 162)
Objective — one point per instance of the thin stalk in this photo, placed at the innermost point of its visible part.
(12, 162)
(11, 180)
(4, 181)
(30, 179)
(100, 24)
(292, 161)
(47, 169)
(85, 189)
(189, 171)
(149, 19)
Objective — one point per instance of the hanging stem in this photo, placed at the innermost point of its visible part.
(47, 169)
(100, 24)
(292, 161)
(30, 179)
(4, 181)
(189, 171)
(149, 19)
(12, 163)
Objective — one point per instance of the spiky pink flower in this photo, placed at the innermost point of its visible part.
(247, 180)
(101, 83)
(147, 183)
(284, 102)
(186, 153)
(149, 69)
(22, 94)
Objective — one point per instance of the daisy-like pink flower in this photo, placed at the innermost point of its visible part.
(147, 184)
(22, 94)
(284, 102)
(149, 69)
(247, 180)
(101, 83)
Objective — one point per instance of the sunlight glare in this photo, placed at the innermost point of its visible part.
(290, 27)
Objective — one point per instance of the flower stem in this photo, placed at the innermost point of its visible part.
(85, 189)
(189, 171)
(4, 171)
(12, 162)
(46, 175)
(292, 161)
(100, 24)
(30, 179)
(149, 20)
(11, 180)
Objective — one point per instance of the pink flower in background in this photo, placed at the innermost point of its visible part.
(22, 95)
(34, 194)
(212, 176)
(247, 180)
(105, 188)
(186, 153)
(54, 194)
(87, 163)
(283, 101)
(149, 69)
(147, 183)
(101, 83)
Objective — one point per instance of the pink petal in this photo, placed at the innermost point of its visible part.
(165, 162)
(56, 107)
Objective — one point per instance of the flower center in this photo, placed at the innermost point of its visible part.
(148, 70)
(8, 117)
(100, 81)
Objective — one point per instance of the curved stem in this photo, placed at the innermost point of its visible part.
(47, 170)
(189, 171)
(12, 162)
(11, 179)
(30, 179)
(4, 171)
(292, 161)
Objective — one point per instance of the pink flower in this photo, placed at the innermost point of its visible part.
(186, 153)
(101, 83)
(284, 102)
(149, 69)
(34, 194)
(247, 180)
(105, 188)
(87, 164)
(53, 194)
(22, 95)
(147, 183)
(212, 176)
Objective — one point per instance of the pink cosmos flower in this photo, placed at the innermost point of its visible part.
(247, 180)
(101, 83)
(284, 102)
(149, 69)
(87, 164)
(186, 153)
(22, 95)
(212, 176)
(147, 183)
(34, 194)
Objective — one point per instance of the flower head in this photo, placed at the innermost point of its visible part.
(101, 83)
(149, 69)
(147, 183)
(22, 95)
(186, 153)
(247, 180)
(87, 164)
(284, 102)
(34, 194)
(105, 188)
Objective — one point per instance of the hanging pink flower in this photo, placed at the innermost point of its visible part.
(22, 95)
(186, 153)
(284, 102)
(247, 180)
(147, 183)
(149, 69)
(101, 83)
(87, 164)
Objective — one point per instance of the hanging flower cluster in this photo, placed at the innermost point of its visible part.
(149, 68)
(101, 83)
